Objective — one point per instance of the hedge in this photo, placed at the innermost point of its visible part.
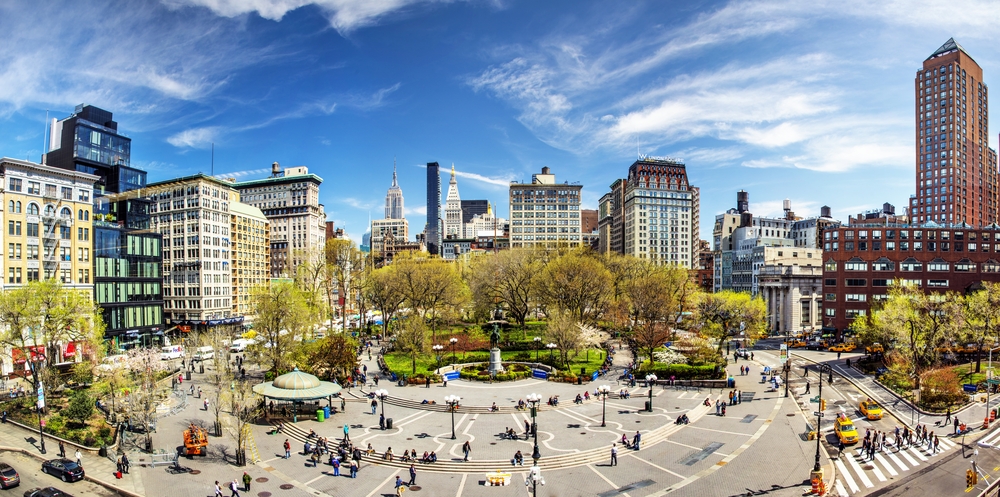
(682, 372)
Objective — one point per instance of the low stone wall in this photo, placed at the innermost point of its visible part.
(458, 367)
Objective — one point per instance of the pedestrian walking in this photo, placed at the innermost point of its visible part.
(354, 469)
(118, 465)
(936, 442)
(840, 449)
(751, 356)
(336, 465)
(527, 429)
(62, 449)
(807, 388)
(343, 405)
(206, 405)
(381, 421)
(288, 449)
(614, 454)
(739, 397)
(947, 416)
(235, 489)
(466, 449)
(399, 486)
(930, 441)
(374, 405)
(218, 489)
(636, 439)
(956, 425)
(79, 458)
(246, 481)
(413, 475)
(125, 463)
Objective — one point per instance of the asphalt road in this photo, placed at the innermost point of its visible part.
(30, 470)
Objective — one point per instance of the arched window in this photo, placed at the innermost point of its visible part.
(10, 206)
(79, 214)
(32, 209)
(66, 212)
(18, 206)
(50, 210)
(86, 215)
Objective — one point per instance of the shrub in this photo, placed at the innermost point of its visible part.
(55, 424)
(104, 432)
(941, 389)
(90, 440)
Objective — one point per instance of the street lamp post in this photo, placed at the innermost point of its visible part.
(535, 476)
(452, 401)
(651, 380)
(381, 394)
(603, 391)
(537, 341)
(453, 342)
(551, 347)
(437, 351)
(819, 414)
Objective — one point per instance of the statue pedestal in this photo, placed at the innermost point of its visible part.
(495, 366)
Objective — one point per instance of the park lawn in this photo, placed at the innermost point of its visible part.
(401, 364)
(966, 373)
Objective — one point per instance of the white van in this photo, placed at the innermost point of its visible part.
(240, 345)
(204, 353)
(171, 352)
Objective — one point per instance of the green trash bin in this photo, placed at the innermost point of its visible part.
(319, 415)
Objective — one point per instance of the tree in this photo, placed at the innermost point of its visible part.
(335, 356)
(727, 313)
(40, 317)
(80, 408)
(651, 335)
(411, 340)
(343, 263)
(506, 277)
(143, 365)
(429, 285)
(564, 331)
(919, 321)
(283, 316)
(982, 318)
(384, 290)
(576, 282)
(245, 409)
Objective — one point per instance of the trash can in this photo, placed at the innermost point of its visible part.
(103, 451)
(388, 423)
(187, 375)
(648, 406)
(201, 368)
(319, 415)
(326, 412)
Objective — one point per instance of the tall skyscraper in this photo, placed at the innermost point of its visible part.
(394, 198)
(956, 171)
(88, 141)
(433, 208)
(453, 209)
(471, 208)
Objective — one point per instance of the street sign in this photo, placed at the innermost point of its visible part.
(818, 413)
(783, 353)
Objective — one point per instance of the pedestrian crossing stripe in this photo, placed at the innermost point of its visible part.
(992, 439)
(851, 480)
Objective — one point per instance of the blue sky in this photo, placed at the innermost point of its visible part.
(811, 101)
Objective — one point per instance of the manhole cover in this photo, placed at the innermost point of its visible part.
(195, 472)
(493, 443)
(286, 486)
(414, 488)
(638, 421)
(583, 433)
(261, 480)
(790, 415)
(263, 494)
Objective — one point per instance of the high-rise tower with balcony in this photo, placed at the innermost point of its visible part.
(956, 171)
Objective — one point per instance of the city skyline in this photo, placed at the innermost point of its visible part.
(763, 96)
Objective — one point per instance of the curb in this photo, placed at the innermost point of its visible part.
(113, 488)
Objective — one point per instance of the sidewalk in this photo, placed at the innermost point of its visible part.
(100, 470)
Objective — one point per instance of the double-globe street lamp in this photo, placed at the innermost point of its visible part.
(452, 401)
(603, 391)
(551, 347)
(453, 341)
(437, 351)
(650, 381)
(381, 395)
(819, 414)
(535, 475)
(538, 341)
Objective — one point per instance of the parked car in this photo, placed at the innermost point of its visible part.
(204, 353)
(65, 469)
(8, 476)
(239, 345)
(46, 492)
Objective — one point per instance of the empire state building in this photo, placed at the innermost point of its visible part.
(394, 198)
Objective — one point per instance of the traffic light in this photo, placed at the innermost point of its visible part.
(822, 404)
(971, 478)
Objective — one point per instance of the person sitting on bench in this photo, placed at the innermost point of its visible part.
(387, 456)
(312, 434)
(434, 456)
(369, 451)
(579, 399)
(510, 434)
(494, 407)
(426, 457)
(406, 456)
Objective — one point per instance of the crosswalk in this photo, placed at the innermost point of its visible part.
(856, 472)
(990, 440)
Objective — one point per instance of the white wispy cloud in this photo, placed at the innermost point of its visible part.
(358, 204)
(503, 181)
(195, 137)
(241, 174)
(421, 210)
(344, 15)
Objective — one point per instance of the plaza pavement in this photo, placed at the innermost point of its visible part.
(757, 446)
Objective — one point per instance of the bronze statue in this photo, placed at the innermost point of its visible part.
(495, 336)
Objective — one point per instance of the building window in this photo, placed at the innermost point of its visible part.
(937, 283)
(830, 266)
(34, 188)
(856, 282)
(14, 185)
(883, 264)
(881, 282)
(856, 297)
(830, 312)
(829, 282)
(938, 265)
(66, 193)
(830, 297)
(856, 264)
(911, 265)
(854, 313)
(964, 266)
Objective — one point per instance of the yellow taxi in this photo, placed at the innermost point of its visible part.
(870, 409)
(797, 344)
(845, 429)
(843, 347)
(875, 348)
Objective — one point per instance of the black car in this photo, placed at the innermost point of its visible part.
(8, 476)
(63, 468)
(46, 492)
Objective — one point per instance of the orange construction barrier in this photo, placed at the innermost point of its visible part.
(816, 482)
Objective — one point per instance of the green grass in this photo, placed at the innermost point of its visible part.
(966, 373)
(401, 364)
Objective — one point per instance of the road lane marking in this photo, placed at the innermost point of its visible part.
(897, 461)
(885, 463)
(860, 472)
(913, 462)
(847, 476)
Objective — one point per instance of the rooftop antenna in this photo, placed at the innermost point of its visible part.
(45, 136)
